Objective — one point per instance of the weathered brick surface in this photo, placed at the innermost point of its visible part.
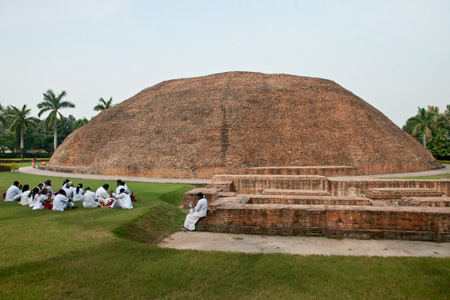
(307, 170)
(230, 122)
(410, 223)
(398, 193)
(211, 194)
(256, 184)
(355, 187)
(295, 192)
(307, 200)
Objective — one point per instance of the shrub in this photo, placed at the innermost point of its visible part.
(9, 167)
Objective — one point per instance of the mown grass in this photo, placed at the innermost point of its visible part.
(94, 254)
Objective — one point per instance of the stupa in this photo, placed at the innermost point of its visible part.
(236, 122)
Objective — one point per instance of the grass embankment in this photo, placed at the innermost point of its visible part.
(87, 254)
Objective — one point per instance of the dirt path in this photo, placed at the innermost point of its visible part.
(211, 241)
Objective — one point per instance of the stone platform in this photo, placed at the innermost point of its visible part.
(315, 205)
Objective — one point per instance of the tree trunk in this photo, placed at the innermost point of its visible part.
(55, 135)
(425, 139)
(21, 144)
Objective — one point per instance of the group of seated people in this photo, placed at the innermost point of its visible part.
(42, 196)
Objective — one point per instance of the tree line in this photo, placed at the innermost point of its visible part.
(20, 130)
(432, 129)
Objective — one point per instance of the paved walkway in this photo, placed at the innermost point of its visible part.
(210, 241)
(32, 171)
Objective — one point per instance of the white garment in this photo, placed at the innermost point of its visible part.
(89, 199)
(32, 200)
(40, 202)
(61, 202)
(13, 193)
(122, 201)
(69, 192)
(101, 194)
(78, 196)
(200, 211)
(24, 198)
(48, 187)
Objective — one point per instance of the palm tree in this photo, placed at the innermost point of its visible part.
(102, 105)
(19, 121)
(424, 122)
(53, 104)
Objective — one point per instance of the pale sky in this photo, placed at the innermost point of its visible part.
(394, 54)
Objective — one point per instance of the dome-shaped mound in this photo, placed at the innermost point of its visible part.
(225, 123)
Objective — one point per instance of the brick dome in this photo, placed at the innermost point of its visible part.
(226, 123)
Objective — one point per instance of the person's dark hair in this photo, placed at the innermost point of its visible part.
(106, 186)
(44, 191)
(40, 185)
(65, 181)
(48, 182)
(26, 187)
(34, 192)
(62, 192)
(122, 190)
(200, 195)
(119, 181)
(16, 183)
(80, 185)
(88, 188)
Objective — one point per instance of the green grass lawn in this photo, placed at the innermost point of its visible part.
(112, 254)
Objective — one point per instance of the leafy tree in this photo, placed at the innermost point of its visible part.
(102, 105)
(423, 123)
(54, 104)
(19, 121)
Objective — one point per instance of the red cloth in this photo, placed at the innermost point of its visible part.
(48, 205)
(133, 199)
(4, 195)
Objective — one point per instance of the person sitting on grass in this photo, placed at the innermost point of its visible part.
(48, 185)
(197, 213)
(121, 200)
(61, 202)
(25, 193)
(89, 199)
(33, 196)
(78, 193)
(102, 195)
(13, 193)
(69, 189)
(42, 200)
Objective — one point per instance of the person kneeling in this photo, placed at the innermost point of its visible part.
(197, 213)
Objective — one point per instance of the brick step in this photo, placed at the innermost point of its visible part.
(306, 200)
(398, 193)
(425, 201)
(256, 184)
(223, 185)
(295, 192)
(304, 170)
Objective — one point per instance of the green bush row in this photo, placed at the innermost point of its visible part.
(12, 166)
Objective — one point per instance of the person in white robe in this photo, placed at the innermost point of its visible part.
(13, 193)
(78, 193)
(61, 202)
(41, 199)
(33, 196)
(200, 211)
(25, 193)
(89, 198)
(122, 200)
(102, 195)
(70, 190)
